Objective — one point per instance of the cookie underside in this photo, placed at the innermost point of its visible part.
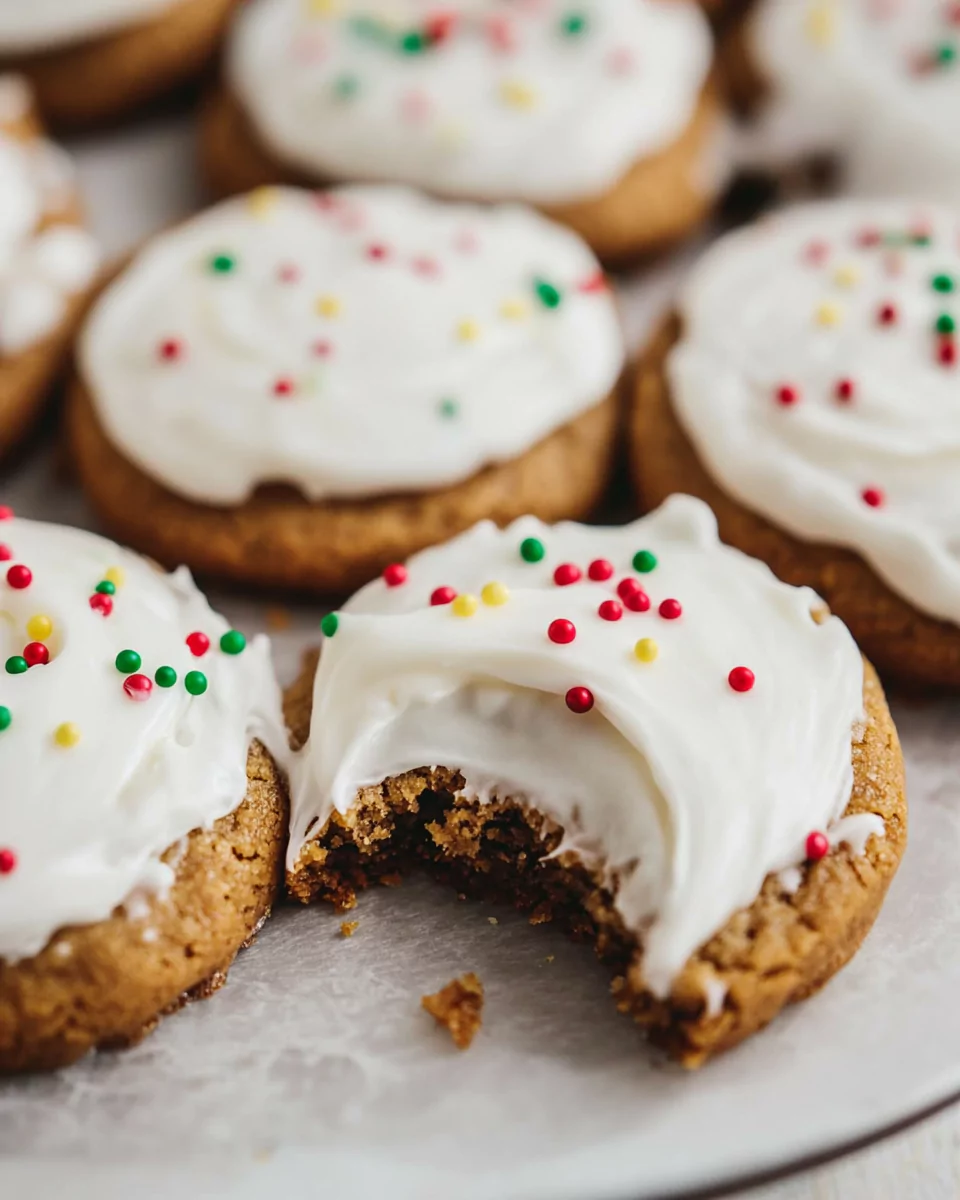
(781, 949)
(108, 985)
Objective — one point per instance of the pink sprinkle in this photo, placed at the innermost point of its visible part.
(326, 201)
(621, 61)
(868, 237)
(593, 284)
(6, 512)
(425, 266)
(816, 252)
(288, 273)
(467, 242)
(5, 553)
(500, 31)
(322, 348)
(378, 252)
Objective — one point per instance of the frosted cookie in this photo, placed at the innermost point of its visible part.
(873, 83)
(599, 113)
(141, 818)
(638, 732)
(296, 389)
(810, 392)
(95, 60)
(47, 262)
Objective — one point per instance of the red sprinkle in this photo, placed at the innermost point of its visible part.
(637, 600)
(787, 394)
(818, 846)
(170, 350)
(947, 352)
(443, 595)
(561, 631)
(395, 575)
(101, 604)
(600, 570)
(8, 861)
(844, 390)
(670, 609)
(428, 267)
(872, 496)
(378, 252)
(610, 610)
(440, 25)
(19, 577)
(284, 386)
(138, 687)
(322, 348)
(500, 32)
(593, 284)
(5, 553)
(742, 679)
(288, 273)
(566, 574)
(579, 700)
(6, 512)
(868, 237)
(816, 252)
(36, 654)
(887, 314)
(199, 644)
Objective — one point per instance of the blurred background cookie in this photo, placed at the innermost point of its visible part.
(602, 114)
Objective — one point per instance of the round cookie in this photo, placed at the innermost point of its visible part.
(638, 732)
(874, 86)
(47, 262)
(91, 61)
(295, 389)
(602, 116)
(142, 820)
(809, 393)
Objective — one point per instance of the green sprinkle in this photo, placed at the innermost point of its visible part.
(946, 323)
(165, 677)
(17, 665)
(532, 550)
(127, 661)
(942, 283)
(106, 588)
(644, 561)
(945, 53)
(6, 716)
(547, 294)
(920, 239)
(369, 28)
(233, 642)
(330, 624)
(345, 87)
(195, 682)
(222, 264)
(448, 409)
(414, 42)
(573, 24)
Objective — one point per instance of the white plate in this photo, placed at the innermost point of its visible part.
(316, 1072)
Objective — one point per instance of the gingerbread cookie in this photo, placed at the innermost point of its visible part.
(875, 86)
(141, 819)
(601, 115)
(639, 732)
(47, 262)
(92, 61)
(401, 366)
(809, 393)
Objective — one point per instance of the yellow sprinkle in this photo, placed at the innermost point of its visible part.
(517, 95)
(468, 331)
(495, 594)
(646, 650)
(513, 310)
(465, 605)
(847, 276)
(262, 201)
(67, 734)
(328, 306)
(829, 314)
(321, 8)
(821, 23)
(39, 627)
(115, 576)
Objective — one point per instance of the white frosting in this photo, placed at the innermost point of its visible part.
(795, 301)
(862, 77)
(406, 371)
(691, 792)
(32, 25)
(39, 271)
(87, 822)
(506, 106)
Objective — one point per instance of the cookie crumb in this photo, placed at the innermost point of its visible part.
(395, 880)
(348, 928)
(277, 619)
(458, 1006)
(493, 921)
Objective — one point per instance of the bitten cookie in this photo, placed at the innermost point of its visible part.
(875, 86)
(93, 61)
(142, 820)
(47, 262)
(638, 732)
(601, 115)
(295, 390)
(809, 393)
